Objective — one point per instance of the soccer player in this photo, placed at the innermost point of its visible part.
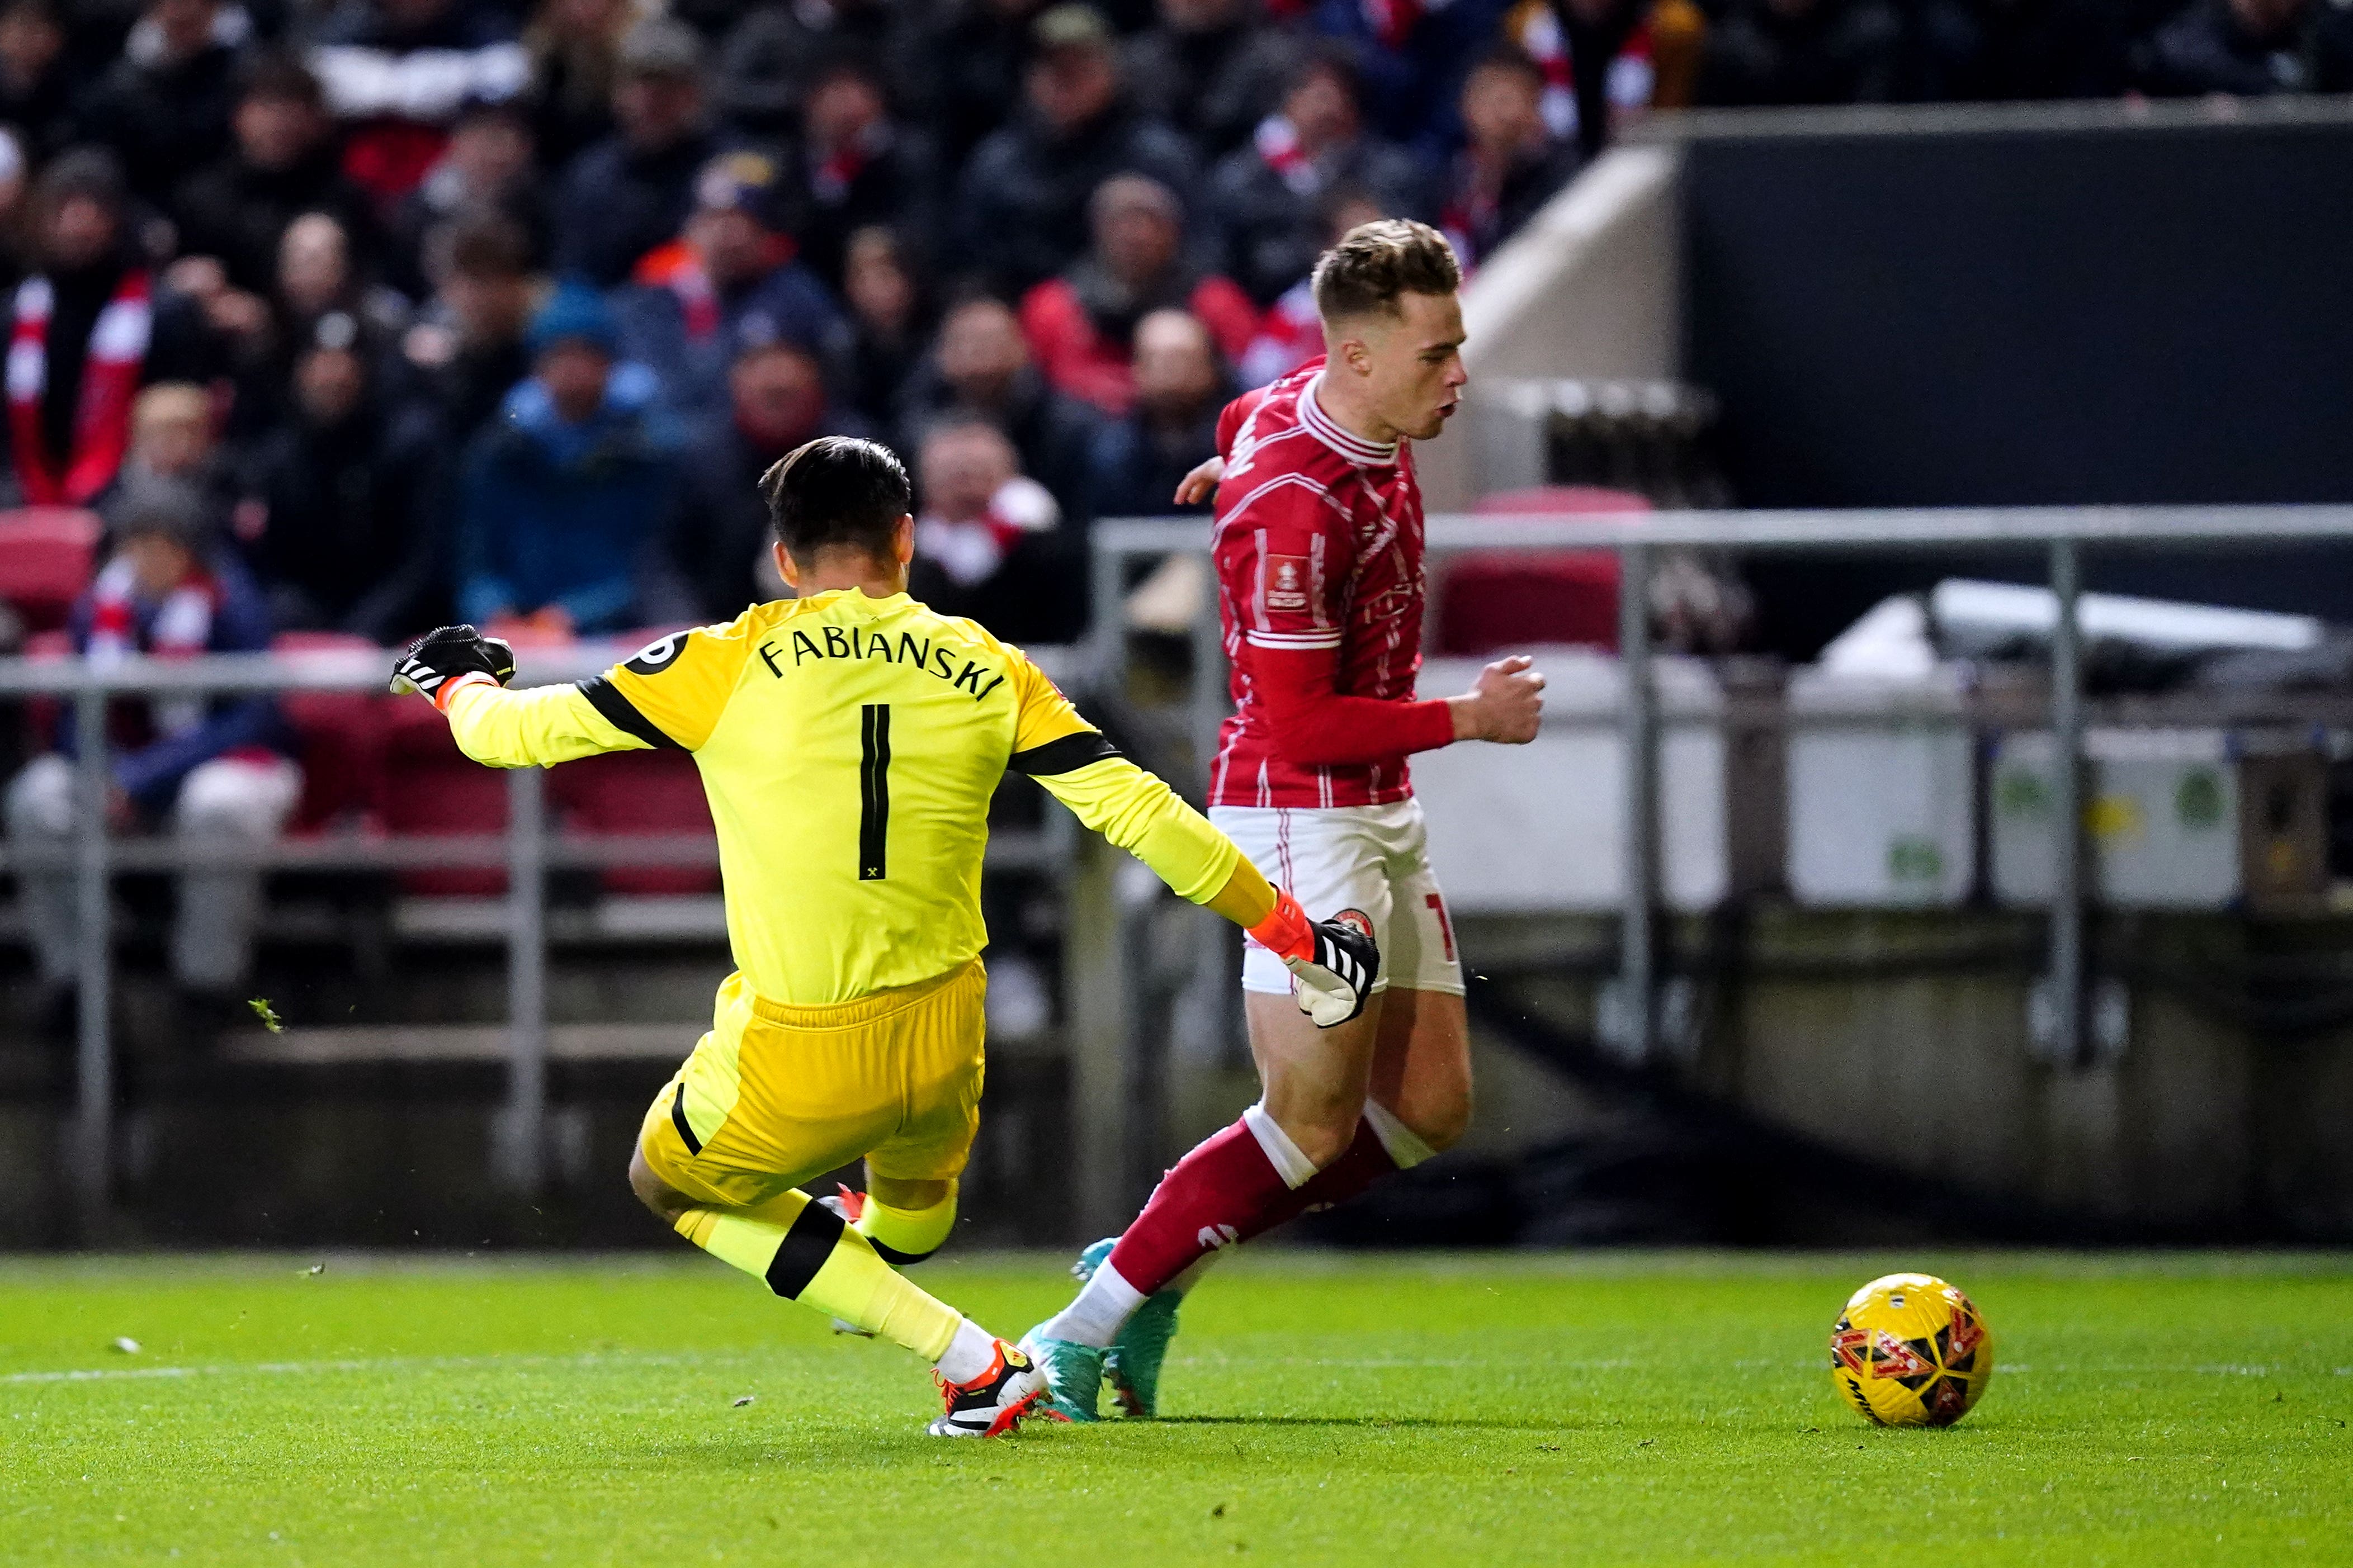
(849, 740)
(1318, 547)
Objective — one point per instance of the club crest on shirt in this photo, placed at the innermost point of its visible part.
(1286, 582)
(1356, 919)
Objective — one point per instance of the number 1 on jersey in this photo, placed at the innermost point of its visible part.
(874, 791)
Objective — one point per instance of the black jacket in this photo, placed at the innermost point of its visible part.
(165, 121)
(1021, 212)
(619, 201)
(1273, 232)
(1053, 434)
(238, 212)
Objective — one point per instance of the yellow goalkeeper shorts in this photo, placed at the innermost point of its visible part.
(774, 1096)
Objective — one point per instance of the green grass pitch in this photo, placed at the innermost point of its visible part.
(1442, 1411)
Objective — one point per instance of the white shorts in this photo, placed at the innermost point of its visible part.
(1375, 858)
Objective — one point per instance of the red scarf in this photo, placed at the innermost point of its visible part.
(110, 382)
(1277, 146)
(182, 628)
(1392, 21)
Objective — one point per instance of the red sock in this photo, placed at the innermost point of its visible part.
(1365, 1161)
(1224, 1190)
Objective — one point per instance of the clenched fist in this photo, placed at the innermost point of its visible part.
(1504, 704)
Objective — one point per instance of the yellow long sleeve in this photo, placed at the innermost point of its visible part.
(535, 727)
(1138, 812)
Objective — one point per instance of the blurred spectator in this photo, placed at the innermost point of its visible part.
(565, 496)
(36, 87)
(575, 60)
(469, 350)
(207, 770)
(1265, 195)
(989, 542)
(857, 168)
(2021, 49)
(890, 323)
(284, 164)
(88, 330)
(1802, 51)
(731, 280)
(164, 106)
(341, 506)
(317, 276)
(1081, 326)
(980, 369)
(1180, 390)
(1408, 60)
(777, 400)
(2252, 48)
(398, 71)
(1606, 62)
(773, 59)
(1512, 163)
(14, 188)
(1023, 203)
(632, 191)
(969, 71)
(488, 168)
(1212, 68)
(1291, 332)
(175, 449)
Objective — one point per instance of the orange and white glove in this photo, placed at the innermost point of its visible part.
(445, 659)
(1333, 963)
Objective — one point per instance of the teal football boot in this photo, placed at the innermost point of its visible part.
(1074, 1374)
(1133, 1363)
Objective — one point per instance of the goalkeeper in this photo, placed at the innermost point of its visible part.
(849, 741)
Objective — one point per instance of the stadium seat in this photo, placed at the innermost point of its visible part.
(631, 794)
(342, 735)
(46, 554)
(431, 787)
(1491, 600)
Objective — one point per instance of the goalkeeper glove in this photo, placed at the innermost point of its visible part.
(1333, 963)
(441, 661)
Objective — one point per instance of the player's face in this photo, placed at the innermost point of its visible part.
(1414, 363)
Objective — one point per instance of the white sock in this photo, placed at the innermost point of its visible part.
(1289, 1162)
(1095, 1317)
(968, 1354)
(1405, 1147)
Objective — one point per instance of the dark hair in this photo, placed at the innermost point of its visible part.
(279, 77)
(1509, 57)
(836, 490)
(1375, 262)
(487, 245)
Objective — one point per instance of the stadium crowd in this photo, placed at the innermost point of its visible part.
(355, 316)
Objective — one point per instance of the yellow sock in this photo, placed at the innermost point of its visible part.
(812, 1258)
(907, 1236)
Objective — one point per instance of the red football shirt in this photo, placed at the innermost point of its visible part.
(1318, 550)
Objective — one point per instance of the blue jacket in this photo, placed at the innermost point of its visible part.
(150, 772)
(551, 513)
(789, 305)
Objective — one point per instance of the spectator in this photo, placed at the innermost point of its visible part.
(989, 542)
(36, 87)
(214, 771)
(980, 369)
(857, 169)
(1607, 62)
(575, 61)
(777, 400)
(566, 495)
(2252, 48)
(969, 69)
(1291, 332)
(469, 350)
(284, 163)
(1023, 196)
(317, 278)
(175, 449)
(398, 71)
(1180, 389)
(164, 106)
(773, 58)
(890, 323)
(14, 189)
(488, 168)
(632, 191)
(1408, 61)
(2021, 49)
(1512, 163)
(1265, 195)
(1080, 326)
(341, 502)
(729, 282)
(88, 331)
(1802, 51)
(1212, 68)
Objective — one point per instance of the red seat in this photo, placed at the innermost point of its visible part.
(342, 735)
(431, 787)
(46, 554)
(631, 794)
(1497, 599)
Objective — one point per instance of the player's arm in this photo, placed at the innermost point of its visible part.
(1137, 811)
(464, 674)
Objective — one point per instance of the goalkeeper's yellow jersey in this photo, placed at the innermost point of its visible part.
(850, 747)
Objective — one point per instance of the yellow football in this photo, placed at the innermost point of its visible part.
(1911, 1350)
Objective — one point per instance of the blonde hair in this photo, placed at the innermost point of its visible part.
(1377, 262)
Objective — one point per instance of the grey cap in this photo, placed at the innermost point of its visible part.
(1071, 26)
(661, 45)
(150, 505)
